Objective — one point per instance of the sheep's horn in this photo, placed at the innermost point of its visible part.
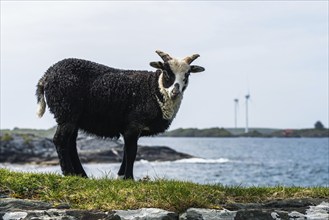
(166, 57)
(190, 59)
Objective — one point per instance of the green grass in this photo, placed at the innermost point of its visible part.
(109, 194)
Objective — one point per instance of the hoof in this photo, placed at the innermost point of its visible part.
(120, 177)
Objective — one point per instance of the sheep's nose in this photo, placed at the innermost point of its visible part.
(175, 92)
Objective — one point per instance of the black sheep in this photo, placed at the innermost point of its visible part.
(111, 102)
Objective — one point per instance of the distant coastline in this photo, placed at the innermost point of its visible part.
(240, 132)
(207, 132)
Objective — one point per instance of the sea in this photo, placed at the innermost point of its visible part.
(226, 161)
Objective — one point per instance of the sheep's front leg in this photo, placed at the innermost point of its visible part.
(130, 150)
(122, 169)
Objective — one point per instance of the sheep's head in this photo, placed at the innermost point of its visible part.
(175, 72)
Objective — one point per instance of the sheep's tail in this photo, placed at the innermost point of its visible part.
(40, 93)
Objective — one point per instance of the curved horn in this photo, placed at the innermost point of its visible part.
(190, 59)
(166, 57)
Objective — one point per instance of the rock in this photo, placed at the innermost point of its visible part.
(14, 215)
(160, 153)
(23, 209)
(280, 209)
(53, 214)
(12, 209)
(145, 214)
(90, 143)
(115, 154)
(28, 148)
(209, 214)
(277, 209)
(107, 150)
(10, 204)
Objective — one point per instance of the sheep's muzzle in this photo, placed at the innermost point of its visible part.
(175, 92)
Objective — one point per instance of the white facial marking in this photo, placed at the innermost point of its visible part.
(179, 68)
(169, 106)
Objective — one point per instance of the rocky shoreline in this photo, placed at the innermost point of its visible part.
(29, 148)
(19, 209)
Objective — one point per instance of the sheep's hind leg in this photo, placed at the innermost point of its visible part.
(76, 164)
(61, 141)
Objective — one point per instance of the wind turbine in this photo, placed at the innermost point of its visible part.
(247, 125)
(236, 104)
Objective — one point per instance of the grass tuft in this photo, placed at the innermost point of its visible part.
(108, 194)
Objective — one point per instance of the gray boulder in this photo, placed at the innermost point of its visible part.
(28, 148)
(208, 214)
(146, 214)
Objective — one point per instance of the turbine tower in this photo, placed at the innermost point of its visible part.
(236, 104)
(247, 125)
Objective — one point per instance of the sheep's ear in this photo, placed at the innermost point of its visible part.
(158, 65)
(196, 69)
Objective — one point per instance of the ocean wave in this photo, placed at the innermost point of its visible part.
(202, 160)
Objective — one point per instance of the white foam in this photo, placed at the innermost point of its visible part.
(144, 161)
(202, 160)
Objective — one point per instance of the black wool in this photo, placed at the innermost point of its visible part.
(103, 100)
(109, 102)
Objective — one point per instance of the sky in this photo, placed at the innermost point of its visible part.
(276, 51)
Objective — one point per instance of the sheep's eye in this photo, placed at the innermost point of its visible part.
(169, 78)
(166, 75)
(186, 77)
